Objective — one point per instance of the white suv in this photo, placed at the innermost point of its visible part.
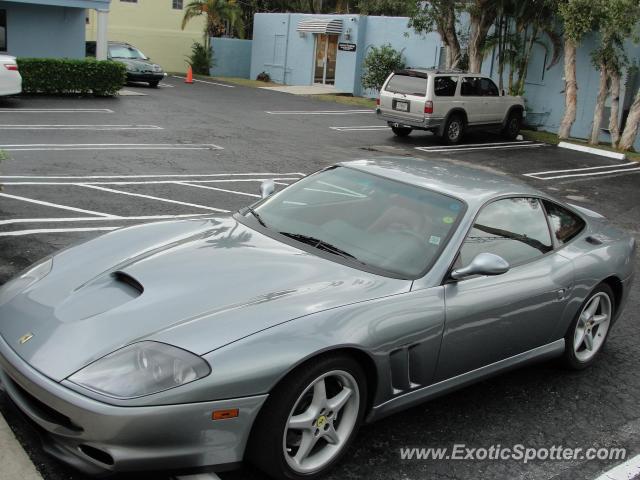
(447, 103)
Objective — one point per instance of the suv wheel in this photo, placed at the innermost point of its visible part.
(453, 130)
(401, 131)
(512, 127)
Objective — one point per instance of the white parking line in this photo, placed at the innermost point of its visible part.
(318, 112)
(108, 146)
(216, 188)
(580, 169)
(473, 149)
(20, 233)
(56, 205)
(81, 127)
(467, 145)
(207, 82)
(625, 471)
(362, 128)
(278, 181)
(56, 110)
(590, 174)
(151, 197)
(165, 175)
(14, 221)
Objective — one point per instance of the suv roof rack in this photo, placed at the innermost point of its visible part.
(437, 70)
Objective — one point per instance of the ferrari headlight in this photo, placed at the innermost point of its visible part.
(25, 280)
(141, 369)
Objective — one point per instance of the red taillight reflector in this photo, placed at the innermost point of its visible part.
(378, 101)
(225, 414)
(11, 66)
(428, 107)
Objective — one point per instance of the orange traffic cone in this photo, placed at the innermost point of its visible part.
(189, 78)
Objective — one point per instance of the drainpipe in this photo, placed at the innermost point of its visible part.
(286, 51)
(101, 34)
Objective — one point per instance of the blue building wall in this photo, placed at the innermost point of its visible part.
(232, 57)
(288, 57)
(38, 30)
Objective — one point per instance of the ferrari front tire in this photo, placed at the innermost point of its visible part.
(589, 330)
(310, 420)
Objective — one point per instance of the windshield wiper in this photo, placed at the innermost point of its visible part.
(319, 244)
(257, 216)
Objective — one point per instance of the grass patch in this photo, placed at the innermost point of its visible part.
(3, 155)
(552, 138)
(245, 82)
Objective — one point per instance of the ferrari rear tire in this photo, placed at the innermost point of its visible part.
(310, 420)
(589, 330)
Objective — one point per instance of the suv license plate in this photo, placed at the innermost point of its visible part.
(402, 106)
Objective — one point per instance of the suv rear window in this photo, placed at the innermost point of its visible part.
(407, 84)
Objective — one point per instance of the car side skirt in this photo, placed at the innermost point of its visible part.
(550, 350)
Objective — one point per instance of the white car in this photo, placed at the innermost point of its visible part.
(447, 103)
(10, 79)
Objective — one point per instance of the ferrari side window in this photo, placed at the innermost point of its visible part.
(513, 228)
(565, 224)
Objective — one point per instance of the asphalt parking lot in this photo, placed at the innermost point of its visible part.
(79, 167)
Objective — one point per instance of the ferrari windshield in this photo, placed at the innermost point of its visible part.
(364, 218)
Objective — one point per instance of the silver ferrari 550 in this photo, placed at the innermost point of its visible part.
(271, 335)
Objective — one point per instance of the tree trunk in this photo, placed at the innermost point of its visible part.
(524, 64)
(599, 110)
(481, 19)
(614, 90)
(570, 90)
(631, 128)
(500, 54)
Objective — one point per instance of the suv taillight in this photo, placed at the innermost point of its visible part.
(378, 101)
(428, 106)
(11, 66)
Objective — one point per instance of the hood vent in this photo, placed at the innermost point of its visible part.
(129, 281)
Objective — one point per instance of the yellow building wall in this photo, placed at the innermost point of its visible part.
(154, 27)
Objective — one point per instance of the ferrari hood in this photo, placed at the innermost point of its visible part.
(198, 285)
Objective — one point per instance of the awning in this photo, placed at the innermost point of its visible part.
(320, 25)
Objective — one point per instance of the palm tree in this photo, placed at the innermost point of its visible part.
(220, 13)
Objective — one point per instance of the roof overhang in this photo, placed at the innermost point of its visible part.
(331, 26)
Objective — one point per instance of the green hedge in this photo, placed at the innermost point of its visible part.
(60, 76)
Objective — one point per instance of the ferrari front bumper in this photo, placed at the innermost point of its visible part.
(98, 438)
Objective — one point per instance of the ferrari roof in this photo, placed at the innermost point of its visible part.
(473, 185)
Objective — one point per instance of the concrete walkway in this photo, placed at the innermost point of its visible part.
(15, 464)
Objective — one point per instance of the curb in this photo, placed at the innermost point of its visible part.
(15, 462)
(592, 150)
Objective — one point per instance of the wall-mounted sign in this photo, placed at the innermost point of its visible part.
(347, 47)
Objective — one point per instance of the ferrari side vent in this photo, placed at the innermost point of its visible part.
(129, 280)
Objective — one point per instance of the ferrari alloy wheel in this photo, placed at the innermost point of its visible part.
(316, 414)
(590, 328)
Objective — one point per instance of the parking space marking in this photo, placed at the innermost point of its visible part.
(464, 149)
(466, 145)
(207, 82)
(625, 471)
(42, 147)
(20, 233)
(318, 112)
(361, 128)
(151, 197)
(14, 221)
(56, 110)
(164, 175)
(217, 189)
(153, 182)
(584, 172)
(81, 127)
(56, 205)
